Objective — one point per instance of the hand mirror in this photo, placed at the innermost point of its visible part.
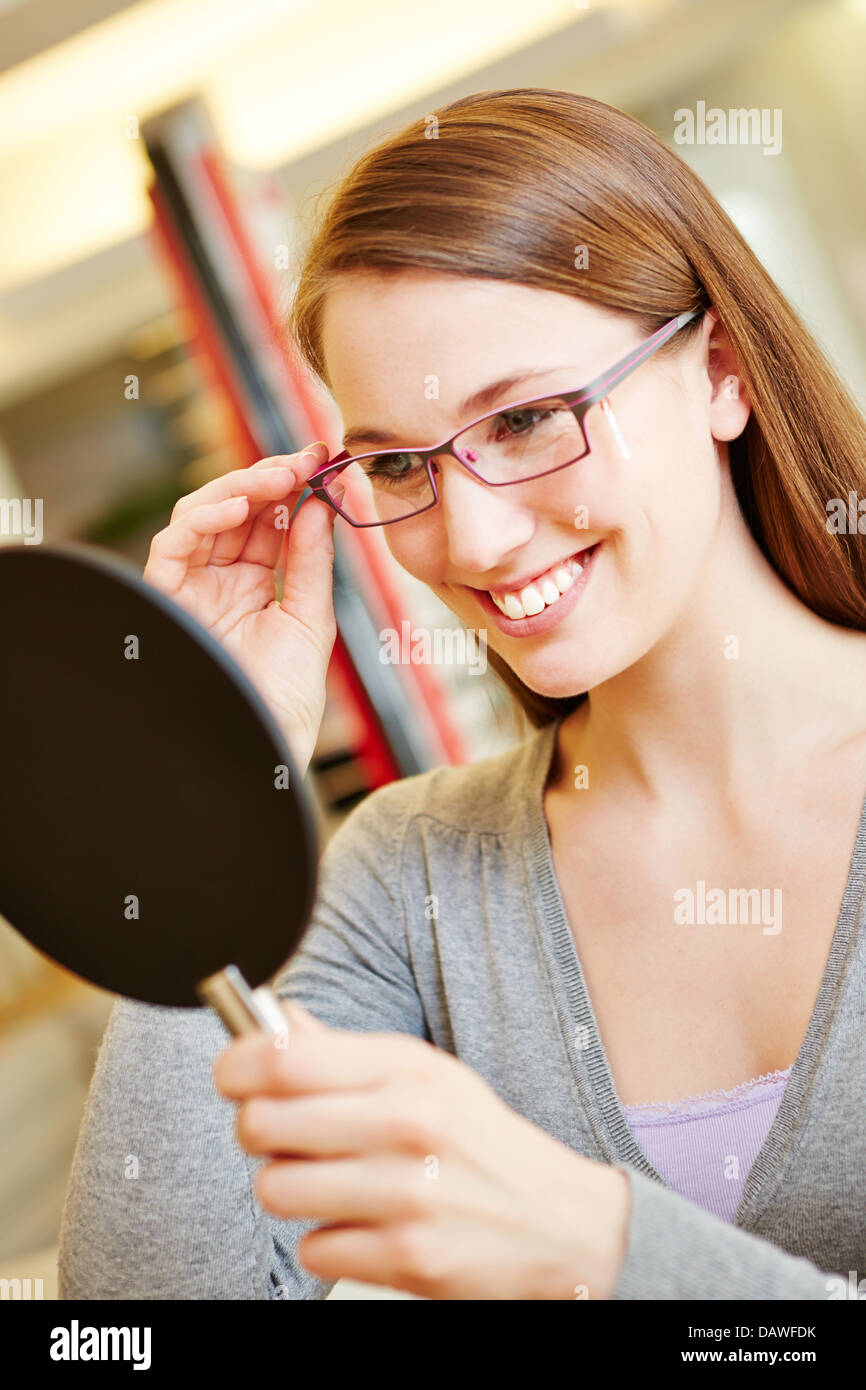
(156, 838)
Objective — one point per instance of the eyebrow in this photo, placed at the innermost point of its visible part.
(472, 406)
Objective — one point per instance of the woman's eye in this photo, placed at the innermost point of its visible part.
(392, 468)
(519, 421)
(392, 465)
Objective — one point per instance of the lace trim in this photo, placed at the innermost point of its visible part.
(713, 1099)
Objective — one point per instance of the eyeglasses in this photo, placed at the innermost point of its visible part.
(514, 444)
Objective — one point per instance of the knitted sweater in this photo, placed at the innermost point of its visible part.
(439, 914)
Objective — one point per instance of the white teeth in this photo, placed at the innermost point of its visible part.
(536, 597)
(532, 601)
(510, 605)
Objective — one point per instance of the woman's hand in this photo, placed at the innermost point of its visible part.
(425, 1180)
(218, 559)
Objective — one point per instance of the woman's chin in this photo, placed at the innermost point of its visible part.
(555, 686)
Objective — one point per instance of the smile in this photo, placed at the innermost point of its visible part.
(542, 603)
(544, 590)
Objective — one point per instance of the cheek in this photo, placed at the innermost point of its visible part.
(656, 510)
(415, 550)
(663, 538)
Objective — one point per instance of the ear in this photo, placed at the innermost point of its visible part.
(730, 406)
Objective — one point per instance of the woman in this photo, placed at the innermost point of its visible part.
(635, 940)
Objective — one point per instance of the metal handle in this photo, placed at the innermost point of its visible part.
(242, 1010)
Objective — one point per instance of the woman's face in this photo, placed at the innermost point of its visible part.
(403, 351)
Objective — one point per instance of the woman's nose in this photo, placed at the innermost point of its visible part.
(481, 523)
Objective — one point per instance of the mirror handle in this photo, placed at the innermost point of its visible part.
(241, 1008)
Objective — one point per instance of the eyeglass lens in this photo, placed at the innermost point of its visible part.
(514, 445)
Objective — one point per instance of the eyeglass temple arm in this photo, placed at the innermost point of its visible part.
(598, 389)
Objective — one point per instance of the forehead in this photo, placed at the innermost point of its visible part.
(433, 337)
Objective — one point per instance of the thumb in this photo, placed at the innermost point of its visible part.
(308, 577)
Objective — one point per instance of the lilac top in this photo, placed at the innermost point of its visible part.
(705, 1145)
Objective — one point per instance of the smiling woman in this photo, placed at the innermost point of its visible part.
(659, 589)
(573, 171)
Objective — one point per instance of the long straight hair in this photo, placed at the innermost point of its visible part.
(506, 185)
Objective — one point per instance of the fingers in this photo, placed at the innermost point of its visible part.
(276, 487)
(227, 527)
(320, 1059)
(190, 540)
(334, 1125)
(308, 574)
(266, 543)
(258, 539)
(348, 1189)
(257, 481)
(370, 1254)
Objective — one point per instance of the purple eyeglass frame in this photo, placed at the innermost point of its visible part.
(578, 402)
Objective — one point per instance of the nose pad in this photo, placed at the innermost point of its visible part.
(470, 456)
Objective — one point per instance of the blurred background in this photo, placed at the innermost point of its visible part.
(159, 164)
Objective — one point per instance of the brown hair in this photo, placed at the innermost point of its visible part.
(510, 184)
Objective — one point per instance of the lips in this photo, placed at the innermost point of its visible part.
(533, 598)
(553, 610)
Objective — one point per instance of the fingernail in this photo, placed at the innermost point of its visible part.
(311, 448)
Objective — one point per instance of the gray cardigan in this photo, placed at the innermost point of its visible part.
(439, 914)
